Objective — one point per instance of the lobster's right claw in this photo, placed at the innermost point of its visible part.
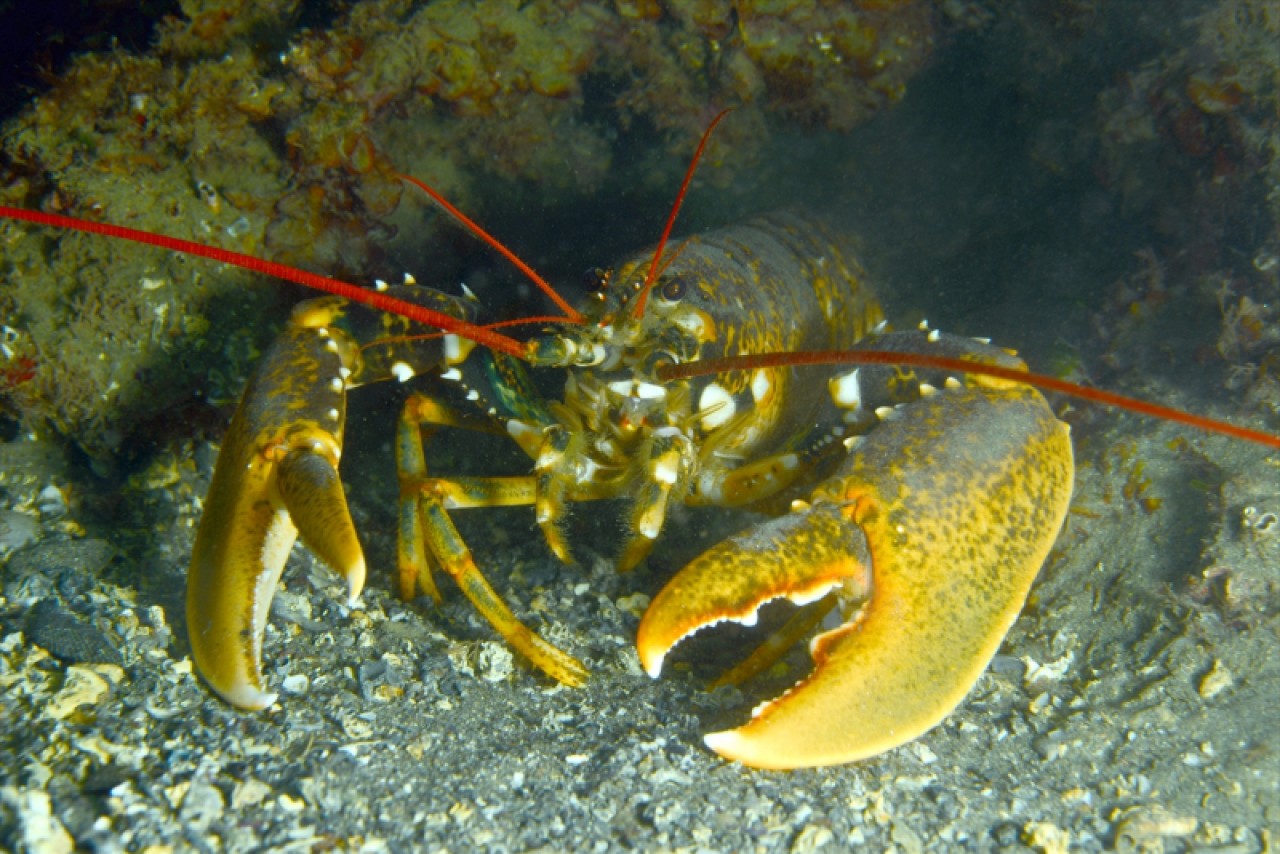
(940, 520)
(276, 478)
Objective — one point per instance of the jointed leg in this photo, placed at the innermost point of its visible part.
(428, 536)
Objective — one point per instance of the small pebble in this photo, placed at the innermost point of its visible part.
(1217, 680)
(87, 557)
(812, 837)
(635, 604)
(17, 530)
(38, 828)
(357, 728)
(1047, 837)
(51, 503)
(1007, 665)
(494, 662)
(67, 637)
(202, 805)
(249, 793)
(83, 687)
(296, 684)
(291, 804)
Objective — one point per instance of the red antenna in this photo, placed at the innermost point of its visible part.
(570, 313)
(947, 363)
(382, 302)
(652, 275)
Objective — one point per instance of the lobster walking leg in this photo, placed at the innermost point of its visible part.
(426, 529)
(420, 412)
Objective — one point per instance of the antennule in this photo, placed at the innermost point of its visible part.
(652, 275)
(570, 313)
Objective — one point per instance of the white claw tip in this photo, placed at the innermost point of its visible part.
(355, 582)
(242, 695)
(722, 742)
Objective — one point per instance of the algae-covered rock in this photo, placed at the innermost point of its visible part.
(240, 130)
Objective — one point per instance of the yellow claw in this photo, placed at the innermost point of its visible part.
(276, 477)
(941, 521)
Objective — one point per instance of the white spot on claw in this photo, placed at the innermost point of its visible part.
(402, 371)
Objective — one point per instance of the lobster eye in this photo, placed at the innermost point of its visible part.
(673, 290)
(595, 280)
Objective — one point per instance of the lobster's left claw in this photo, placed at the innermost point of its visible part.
(940, 520)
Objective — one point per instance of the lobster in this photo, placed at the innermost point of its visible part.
(926, 483)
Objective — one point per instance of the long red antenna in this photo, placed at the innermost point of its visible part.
(380, 301)
(652, 275)
(947, 363)
(571, 314)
